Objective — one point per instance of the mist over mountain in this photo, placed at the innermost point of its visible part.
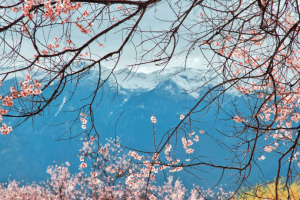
(31, 148)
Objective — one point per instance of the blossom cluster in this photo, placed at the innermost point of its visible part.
(280, 101)
(238, 119)
(153, 119)
(27, 89)
(79, 186)
(86, 149)
(80, 26)
(51, 11)
(153, 165)
(83, 120)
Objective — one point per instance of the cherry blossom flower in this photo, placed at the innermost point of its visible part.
(188, 151)
(196, 139)
(83, 120)
(152, 197)
(83, 165)
(237, 119)
(268, 149)
(201, 15)
(262, 157)
(153, 119)
(217, 43)
(83, 115)
(94, 174)
(92, 138)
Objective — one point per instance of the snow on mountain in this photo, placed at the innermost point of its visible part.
(189, 79)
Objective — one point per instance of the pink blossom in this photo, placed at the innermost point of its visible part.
(268, 149)
(83, 115)
(237, 119)
(262, 158)
(181, 117)
(92, 138)
(153, 119)
(94, 174)
(83, 165)
(188, 151)
(196, 139)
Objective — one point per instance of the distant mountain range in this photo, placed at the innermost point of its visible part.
(26, 153)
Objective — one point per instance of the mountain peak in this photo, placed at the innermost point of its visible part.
(188, 79)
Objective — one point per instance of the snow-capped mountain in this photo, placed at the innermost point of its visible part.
(188, 80)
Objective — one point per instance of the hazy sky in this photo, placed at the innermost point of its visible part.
(111, 41)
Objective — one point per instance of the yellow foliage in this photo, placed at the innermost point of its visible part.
(267, 191)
